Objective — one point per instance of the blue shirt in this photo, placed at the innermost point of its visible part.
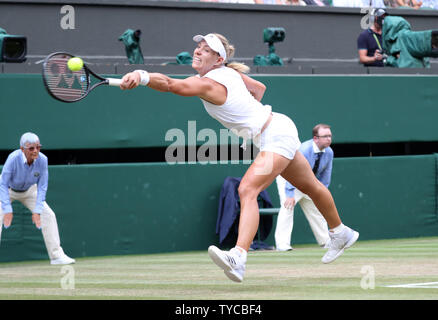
(18, 175)
(367, 41)
(324, 173)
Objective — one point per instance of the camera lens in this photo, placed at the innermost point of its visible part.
(14, 48)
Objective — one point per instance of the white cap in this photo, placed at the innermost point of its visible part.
(213, 42)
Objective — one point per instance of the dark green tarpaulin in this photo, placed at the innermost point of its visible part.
(405, 48)
(131, 40)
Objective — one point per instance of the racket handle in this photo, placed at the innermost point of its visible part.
(114, 82)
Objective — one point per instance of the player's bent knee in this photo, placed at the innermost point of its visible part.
(247, 191)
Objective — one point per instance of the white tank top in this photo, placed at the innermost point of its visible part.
(241, 113)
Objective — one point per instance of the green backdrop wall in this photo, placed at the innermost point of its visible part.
(146, 208)
(360, 109)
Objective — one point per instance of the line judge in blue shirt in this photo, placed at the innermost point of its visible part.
(24, 177)
(320, 157)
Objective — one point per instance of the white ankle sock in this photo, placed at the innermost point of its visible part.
(338, 229)
(242, 252)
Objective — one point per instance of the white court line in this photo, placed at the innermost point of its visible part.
(416, 285)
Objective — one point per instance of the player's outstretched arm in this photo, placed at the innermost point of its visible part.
(204, 88)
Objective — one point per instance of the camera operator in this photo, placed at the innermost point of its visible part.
(369, 42)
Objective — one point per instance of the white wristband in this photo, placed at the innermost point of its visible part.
(144, 77)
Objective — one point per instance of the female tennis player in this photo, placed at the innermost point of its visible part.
(233, 98)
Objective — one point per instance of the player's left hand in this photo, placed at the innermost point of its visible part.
(36, 219)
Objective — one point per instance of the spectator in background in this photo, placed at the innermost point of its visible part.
(430, 4)
(230, 1)
(347, 3)
(373, 4)
(269, 1)
(318, 3)
(369, 42)
(318, 153)
(296, 3)
(412, 4)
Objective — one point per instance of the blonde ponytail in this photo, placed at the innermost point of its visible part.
(238, 66)
(229, 48)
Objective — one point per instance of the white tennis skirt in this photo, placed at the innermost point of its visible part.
(281, 137)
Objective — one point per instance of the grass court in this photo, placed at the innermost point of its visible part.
(397, 269)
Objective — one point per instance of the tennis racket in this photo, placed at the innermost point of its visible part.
(70, 86)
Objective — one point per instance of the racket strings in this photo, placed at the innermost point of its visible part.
(63, 83)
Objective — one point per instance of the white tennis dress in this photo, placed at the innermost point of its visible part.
(245, 116)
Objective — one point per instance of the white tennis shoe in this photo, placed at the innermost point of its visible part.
(284, 248)
(338, 243)
(64, 259)
(232, 262)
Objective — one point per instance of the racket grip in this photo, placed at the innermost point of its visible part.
(114, 82)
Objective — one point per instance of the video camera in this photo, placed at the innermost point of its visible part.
(272, 35)
(12, 48)
(434, 44)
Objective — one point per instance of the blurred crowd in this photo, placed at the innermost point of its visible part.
(409, 4)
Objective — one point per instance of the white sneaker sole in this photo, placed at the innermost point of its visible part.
(284, 249)
(53, 263)
(347, 245)
(218, 258)
(352, 240)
